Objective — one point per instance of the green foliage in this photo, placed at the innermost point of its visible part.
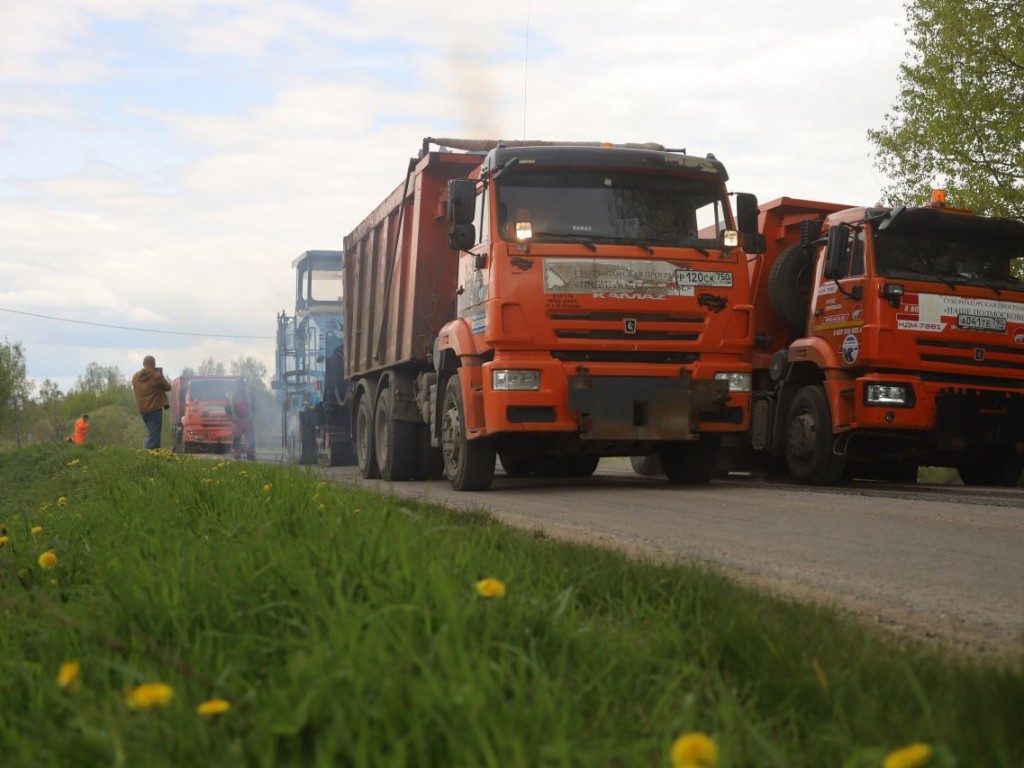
(959, 118)
(345, 629)
(14, 387)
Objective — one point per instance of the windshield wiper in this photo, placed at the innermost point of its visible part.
(556, 236)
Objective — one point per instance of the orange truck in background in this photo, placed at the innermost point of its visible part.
(211, 414)
(544, 305)
(887, 339)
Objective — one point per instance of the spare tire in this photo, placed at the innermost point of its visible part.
(789, 286)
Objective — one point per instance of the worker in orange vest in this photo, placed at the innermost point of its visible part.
(81, 429)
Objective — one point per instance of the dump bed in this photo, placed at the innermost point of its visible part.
(400, 273)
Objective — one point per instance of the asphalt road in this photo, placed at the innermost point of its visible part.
(928, 561)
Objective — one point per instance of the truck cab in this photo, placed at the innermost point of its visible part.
(910, 349)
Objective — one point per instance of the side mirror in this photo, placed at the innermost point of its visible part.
(461, 201)
(837, 252)
(754, 242)
(462, 237)
(746, 219)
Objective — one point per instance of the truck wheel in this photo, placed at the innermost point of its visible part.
(809, 441)
(996, 467)
(581, 466)
(647, 466)
(429, 460)
(517, 465)
(366, 454)
(469, 464)
(691, 462)
(394, 440)
(789, 286)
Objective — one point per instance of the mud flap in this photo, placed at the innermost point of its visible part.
(621, 408)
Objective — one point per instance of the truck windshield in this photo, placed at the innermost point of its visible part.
(571, 205)
(945, 258)
(209, 391)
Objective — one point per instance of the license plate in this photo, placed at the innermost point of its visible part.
(698, 278)
(981, 323)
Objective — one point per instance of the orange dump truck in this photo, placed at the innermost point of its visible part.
(544, 305)
(886, 339)
(211, 414)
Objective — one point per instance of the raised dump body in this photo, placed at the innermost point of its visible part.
(547, 304)
(887, 339)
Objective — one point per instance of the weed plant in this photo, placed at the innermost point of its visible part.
(279, 620)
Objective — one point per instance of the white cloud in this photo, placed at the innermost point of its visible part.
(167, 215)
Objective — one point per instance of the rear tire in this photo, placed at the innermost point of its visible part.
(429, 460)
(366, 456)
(516, 465)
(469, 464)
(647, 466)
(809, 440)
(993, 467)
(394, 440)
(691, 462)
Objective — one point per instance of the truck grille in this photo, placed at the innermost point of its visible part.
(985, 358)
(612, 326)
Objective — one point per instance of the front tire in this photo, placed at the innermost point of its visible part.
(809, 440)
(469, 464)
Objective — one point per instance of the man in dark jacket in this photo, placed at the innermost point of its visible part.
(151, 388)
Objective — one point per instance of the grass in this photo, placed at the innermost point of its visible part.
(344, 628)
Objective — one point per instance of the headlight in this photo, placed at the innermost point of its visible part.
(901, 395)
(738, 382)
(519, 380)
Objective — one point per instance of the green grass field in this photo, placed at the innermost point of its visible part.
(169, 611)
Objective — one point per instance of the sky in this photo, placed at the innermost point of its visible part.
(163, 162)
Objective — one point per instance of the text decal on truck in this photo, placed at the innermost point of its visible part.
(933, 312)
(628, 278)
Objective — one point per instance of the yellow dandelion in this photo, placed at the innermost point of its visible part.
(911, 756)
(267, 487)
(67, 676)
(213, 707)
(36, 530)
(819, 673)
(4, 540)
(48, 560)
(243, 473)
(62, 501)
(490, 588)
(322, 507)
(149, 695)
(694, 750)
(72, 462)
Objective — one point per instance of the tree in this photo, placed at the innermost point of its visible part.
(14, 387)
(209, 367)
(101, 380)
(958, 121)
(53, 408)
(252, 369)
